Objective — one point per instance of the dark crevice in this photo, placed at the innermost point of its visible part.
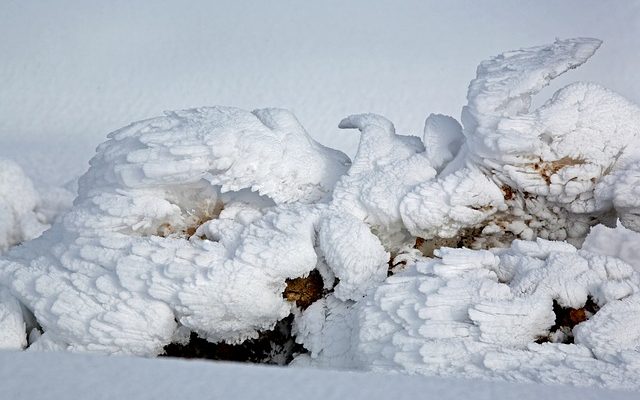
(276, 347)
(566, 319)
(306, 290)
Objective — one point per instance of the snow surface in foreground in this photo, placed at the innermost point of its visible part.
(71, 376)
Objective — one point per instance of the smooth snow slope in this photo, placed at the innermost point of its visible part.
(71, 376)
(72, 71)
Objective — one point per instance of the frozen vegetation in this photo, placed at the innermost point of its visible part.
(502, 246)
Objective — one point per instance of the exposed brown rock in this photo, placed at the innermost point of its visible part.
(306, 290)
(547, 169)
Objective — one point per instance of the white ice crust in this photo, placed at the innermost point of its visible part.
(194, 222)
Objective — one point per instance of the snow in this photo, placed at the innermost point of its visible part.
(71, 376)
(385, 168)
(495, 314)
(124, 271)
(478, 313)
(24, 212)
(441, 208)
(479, 250)
(560, 168)
(184, 145)
(195, 222)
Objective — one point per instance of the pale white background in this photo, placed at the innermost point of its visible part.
(72, 71)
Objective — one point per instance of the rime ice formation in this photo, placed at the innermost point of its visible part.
(12, 325)
(617, 242)
(561, 168)
(385, 168)
(266, 151)
(540, 310)
(491, 314)
(442, 139)
(176, 227)
(443, 207)
(199, 222)
(21, 217)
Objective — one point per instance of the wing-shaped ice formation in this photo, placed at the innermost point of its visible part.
(266, 151)
(500, 314)
(386, 167)
(168, 233)
(563, 167)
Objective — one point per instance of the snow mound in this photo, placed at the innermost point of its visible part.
(21, 217)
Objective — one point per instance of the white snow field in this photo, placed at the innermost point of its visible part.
(71, 376)
(498, 243)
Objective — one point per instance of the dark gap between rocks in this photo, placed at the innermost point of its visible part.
(566, 319)
(275, 347)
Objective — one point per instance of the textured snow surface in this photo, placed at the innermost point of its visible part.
(195, 222)
(71, 376)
